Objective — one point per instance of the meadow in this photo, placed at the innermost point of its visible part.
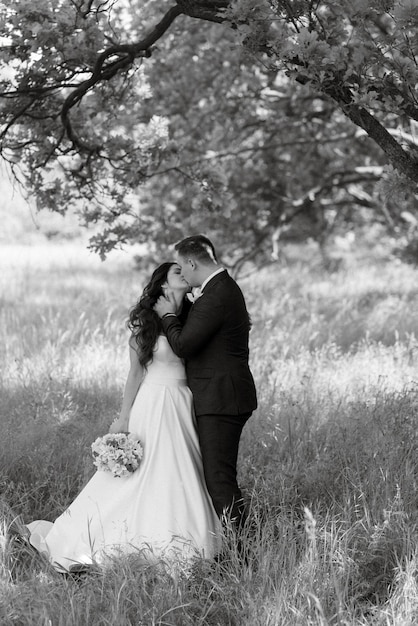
(328, 463)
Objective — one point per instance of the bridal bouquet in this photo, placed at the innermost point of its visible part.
(119, 453)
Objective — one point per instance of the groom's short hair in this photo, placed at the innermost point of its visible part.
(198, 247)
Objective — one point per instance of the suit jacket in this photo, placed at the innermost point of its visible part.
(214, 343)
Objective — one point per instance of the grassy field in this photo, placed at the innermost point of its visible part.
(328, 462)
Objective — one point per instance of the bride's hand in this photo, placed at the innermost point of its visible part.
(119, 425)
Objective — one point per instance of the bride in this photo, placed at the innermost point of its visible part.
(162, 511)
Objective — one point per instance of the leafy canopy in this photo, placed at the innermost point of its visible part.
(236, 118)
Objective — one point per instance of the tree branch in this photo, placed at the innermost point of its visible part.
(126, 54)
(208, 10)
(251, 149)
(403, 161)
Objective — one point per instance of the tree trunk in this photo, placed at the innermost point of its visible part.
(405, 162)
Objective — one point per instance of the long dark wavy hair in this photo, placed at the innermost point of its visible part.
(143, 321)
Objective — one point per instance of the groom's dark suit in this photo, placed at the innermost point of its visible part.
(214, 343)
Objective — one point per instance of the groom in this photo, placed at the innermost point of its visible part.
(214, 343)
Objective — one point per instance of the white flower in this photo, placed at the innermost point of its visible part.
(194, 295)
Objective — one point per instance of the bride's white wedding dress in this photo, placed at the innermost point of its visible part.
(161, 511)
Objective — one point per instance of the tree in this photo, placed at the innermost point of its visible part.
(87, 117)
(253, 161)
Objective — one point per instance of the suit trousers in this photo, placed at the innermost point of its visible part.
(219, 437)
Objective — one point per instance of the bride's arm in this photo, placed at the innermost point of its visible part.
(133, 381)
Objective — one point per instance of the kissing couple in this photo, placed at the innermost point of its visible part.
(188, 394)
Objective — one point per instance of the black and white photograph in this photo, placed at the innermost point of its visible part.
(208, 313)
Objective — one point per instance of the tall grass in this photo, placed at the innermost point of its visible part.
(328, 462)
